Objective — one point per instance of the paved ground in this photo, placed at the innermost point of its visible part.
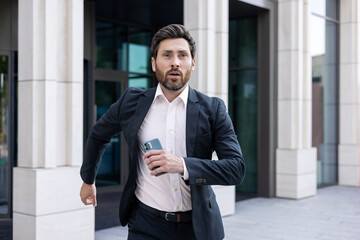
(334, 213)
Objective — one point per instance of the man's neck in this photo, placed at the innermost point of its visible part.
(171, 95)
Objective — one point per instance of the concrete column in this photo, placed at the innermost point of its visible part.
(349, 101)
(46, 187)
(208, 23)
(295, 158)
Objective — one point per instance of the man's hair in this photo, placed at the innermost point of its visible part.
(172, 31)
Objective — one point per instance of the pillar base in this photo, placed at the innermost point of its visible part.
(47, 205)
(349, 165)
(295, 173)
(72, 225)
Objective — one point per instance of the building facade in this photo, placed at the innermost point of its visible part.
(287, 69)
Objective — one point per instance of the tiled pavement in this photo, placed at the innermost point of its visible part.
(334, 213)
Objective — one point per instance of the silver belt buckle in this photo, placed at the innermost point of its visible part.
(166, 215)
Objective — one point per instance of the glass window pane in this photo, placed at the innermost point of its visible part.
(139, 81)
(328, 8)
(243, 46)
(318, 7)
(139, 51)
(106, 93)
(243, 112)
(324, 97)
(317, 29)
(332, 7)
(111, 46)
(4, 136)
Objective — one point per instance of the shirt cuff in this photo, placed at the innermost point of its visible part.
(186, 173)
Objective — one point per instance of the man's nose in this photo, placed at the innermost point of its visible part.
(175, 63)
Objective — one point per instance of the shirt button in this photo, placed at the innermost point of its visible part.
(177, 207)
(175, 189)
(170, 130)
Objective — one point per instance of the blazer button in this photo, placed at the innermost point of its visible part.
(200, 180)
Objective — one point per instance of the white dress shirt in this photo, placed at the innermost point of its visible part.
(166, 121)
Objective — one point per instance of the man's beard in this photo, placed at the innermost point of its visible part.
(168, 83)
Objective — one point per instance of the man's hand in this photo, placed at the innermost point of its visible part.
(88, 194)
(164, 160)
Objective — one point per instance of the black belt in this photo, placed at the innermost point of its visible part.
(168, 216)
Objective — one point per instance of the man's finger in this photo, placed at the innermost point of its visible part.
(152, 152)
(94, 201)
(89, 201)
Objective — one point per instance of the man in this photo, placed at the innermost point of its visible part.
(179, 204)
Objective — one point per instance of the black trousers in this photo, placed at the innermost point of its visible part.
(144, 225)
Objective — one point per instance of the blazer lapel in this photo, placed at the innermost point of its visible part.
(192, 116)
(142, 108)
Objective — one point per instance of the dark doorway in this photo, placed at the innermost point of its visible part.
(250, 92)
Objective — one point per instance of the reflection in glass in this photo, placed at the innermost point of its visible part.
(243, 42)
(139, 81)
(111, 46)
(106, 93)
(325, 8)
(324, 98)
(243, 112)
(139, 51)
(4, 135)
(243, 93)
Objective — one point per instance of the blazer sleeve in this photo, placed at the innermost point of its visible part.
(230, 168)
(100, 135)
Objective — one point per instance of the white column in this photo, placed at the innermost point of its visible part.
(349, 101)
(46, 186)
(295, 158)
(208, 23)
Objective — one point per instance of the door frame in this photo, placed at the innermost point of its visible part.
(122, 78)
(267, 94)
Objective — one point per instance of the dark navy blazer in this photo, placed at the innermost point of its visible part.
(208, 128)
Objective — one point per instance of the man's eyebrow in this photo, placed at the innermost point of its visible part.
(167, 51)
(171, 51)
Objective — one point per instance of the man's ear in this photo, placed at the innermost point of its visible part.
(153, 64)
(193, 64)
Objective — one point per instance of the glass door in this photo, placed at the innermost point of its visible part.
(108, 86)
(5, 163)
(243, 97)
(106, 93)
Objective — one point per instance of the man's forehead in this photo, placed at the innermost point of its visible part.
(174, 45)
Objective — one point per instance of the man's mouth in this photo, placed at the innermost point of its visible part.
(174, 74)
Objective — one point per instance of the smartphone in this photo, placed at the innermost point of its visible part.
(153, 145)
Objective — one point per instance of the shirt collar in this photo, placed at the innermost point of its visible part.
(183, 95)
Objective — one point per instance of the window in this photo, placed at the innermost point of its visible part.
(324, 52)
(126, 49)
